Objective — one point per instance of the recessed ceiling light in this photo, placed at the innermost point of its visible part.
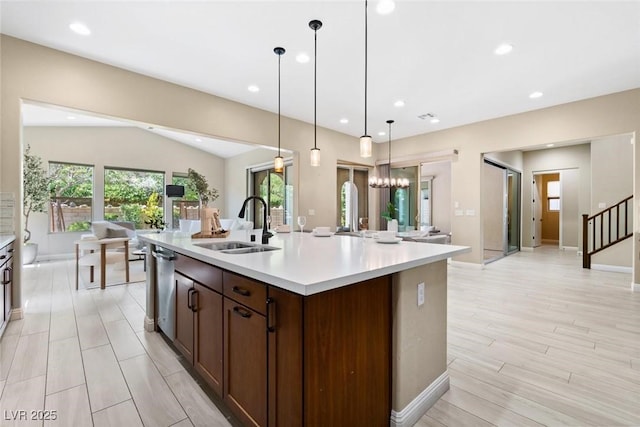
(79, 28)
(253, 88)
(435, 120)
(198, 140)
(385, 7)
(549, 145)
(71, 118)
(398, 103)
(382, 133)
(503, 49)
(302, 58)
(344, 121)
(535, 95)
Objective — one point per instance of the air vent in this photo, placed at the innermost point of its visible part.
(426, 116)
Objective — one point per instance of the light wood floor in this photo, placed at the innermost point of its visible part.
(85, 355)
(533, 340)
(536, 340)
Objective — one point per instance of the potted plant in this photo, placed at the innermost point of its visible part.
(389, 215)
(198, 183)
(36, 197)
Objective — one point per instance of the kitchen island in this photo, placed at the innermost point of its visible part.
(320, 331)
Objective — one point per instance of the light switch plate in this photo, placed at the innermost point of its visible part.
(602, 205)
(471, 212)
(420, 294)
(312, 212)
(459, 212)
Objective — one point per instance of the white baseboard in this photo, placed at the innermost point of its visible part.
(526, 249)
(569, 248)
(149, 324)
(465, 264)
(421, 404)
(612, 268)
(17, 314)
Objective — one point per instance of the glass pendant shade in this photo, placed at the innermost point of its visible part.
(315, 157)
(365, 146)
(278, 164)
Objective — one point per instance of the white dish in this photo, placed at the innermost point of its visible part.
(322, 234)
(394, 240)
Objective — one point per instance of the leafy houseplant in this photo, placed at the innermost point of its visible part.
(198, 183)
(36, 188)
(390, 213)
(36, 196)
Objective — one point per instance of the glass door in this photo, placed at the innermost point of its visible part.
(513, 211)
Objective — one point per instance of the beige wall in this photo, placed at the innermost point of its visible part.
(420, 349)
(126, 147)
(576, 157)
(570, 209)
(611, 182)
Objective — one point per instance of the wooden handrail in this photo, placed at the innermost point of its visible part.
(600, 217)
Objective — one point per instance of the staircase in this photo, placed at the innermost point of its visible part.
(605, 229)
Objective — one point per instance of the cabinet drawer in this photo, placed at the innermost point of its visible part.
(200, 272)
(246, 291)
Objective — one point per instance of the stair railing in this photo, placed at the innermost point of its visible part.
(608, 227)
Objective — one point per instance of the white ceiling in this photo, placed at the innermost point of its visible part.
(437, 56)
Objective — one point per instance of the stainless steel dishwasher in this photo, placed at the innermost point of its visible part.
(166, 291)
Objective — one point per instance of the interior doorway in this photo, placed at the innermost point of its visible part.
(555, 208)
(501, 210)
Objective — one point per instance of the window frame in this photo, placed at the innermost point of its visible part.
(50, 221)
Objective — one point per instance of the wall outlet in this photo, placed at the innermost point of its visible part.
(420, 294)
(312, 212)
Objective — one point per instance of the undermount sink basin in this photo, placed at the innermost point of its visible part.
(220, 246)
(250, 250)
(236, 247)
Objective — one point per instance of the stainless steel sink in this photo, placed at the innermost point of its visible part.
(250, 250)
(236, 247)
(221, 246)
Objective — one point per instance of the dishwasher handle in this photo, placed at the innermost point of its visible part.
(169, 256)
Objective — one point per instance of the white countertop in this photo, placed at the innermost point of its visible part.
(5, 239)
(307, 264)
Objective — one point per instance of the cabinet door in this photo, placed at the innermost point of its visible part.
(208, 357)
(184, 316)
(3, 302)
(245, 362)
(8, 278)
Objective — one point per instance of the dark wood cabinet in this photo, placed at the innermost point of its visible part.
(208, 335)
(198, 325)
(184, 316)
(270, 353)
(245, 361)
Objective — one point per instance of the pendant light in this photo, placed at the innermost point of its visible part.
(278, 161)
(365, 140)
(315, 25)
(388, 182)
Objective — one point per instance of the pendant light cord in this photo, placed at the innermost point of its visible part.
(315, 78)
(365, 66)
(279, 58)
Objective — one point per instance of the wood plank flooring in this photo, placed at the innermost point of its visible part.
(533, 340)
(85, 355)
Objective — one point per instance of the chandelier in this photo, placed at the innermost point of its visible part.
(388, 182)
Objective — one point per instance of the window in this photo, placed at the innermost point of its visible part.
(186, 207)
(71, 197)
(134, 195)
(353, 197)
(276, 189)
(553, 196)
